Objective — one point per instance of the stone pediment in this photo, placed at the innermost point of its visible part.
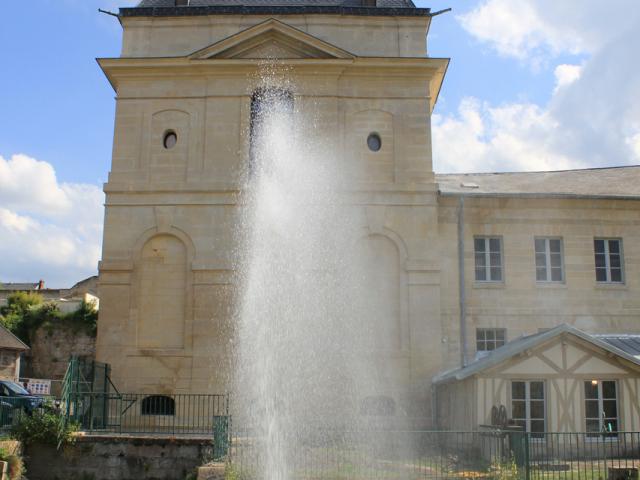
(271, 39)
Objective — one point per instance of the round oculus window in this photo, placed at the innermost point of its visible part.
(170, 139)
(374, 142)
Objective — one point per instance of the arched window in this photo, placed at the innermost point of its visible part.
(265, 102)
(162, 283)
(158, 405)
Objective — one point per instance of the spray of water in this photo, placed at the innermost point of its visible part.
(304, 326)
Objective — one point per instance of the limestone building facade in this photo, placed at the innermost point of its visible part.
(533, 251)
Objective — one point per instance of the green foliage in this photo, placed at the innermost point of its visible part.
(27, 312)
(16, 465)
(44, 427)
(506, 470)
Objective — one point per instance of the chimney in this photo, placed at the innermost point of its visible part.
(41, 285)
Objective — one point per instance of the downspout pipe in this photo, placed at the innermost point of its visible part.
(461, 286)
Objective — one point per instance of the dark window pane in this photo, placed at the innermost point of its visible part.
(591, 409)
(518, 409)
(614, 246)
(490, 334)
(541, 274)
(496, 274)
(494, 244)
(491, 346)
(556, 274)
(614, 261)
(500, 335)
(609, 389)
(601, 275)
(537, 426)
(541, 260)
(480, 346)
(540, 245)
(600, 261)
(494, 259)
(517, 390)
(590, 390)
(481, 260)
(481, 274)
(593, 426)
(612, 425)
(598, 246)
(556, 260)
(480, 334)
(536, 390)
(537, 409)
(616, 275)
(610, 408)
(521, 423)
(554, 245)
(478, 244)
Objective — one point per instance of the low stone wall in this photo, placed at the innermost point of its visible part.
(119, 458)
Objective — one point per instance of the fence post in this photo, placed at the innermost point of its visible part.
(527, 456)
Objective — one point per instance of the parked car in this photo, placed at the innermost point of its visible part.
(13, 397)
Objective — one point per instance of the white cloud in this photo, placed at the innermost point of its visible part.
(485, 138)
(534, 30)
(566, 74)
(48, 230)
(593, 115)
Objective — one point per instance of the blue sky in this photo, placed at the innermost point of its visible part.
(532, 85)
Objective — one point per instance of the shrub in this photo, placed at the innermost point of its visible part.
(16, 465)
(26, 312)
(45, 427)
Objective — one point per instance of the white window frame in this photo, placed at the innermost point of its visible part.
(527, 407)
(495, 330)
(547, 255)
(596, 435)
(487, 258)
(607, 260)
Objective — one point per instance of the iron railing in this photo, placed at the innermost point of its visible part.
(407, 455)
(137, 413)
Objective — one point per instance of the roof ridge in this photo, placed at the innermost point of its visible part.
(614, 167)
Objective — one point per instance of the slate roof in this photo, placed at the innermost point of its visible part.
(19, 287)
(273, 3)
(514, 347)
(612, 182)
(9, 341)
(167, 8)
(626, 342)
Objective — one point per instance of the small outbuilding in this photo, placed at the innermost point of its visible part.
(11, 350)
(559, 380)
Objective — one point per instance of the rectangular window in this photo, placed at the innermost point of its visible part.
(549, 260)
(488, 254)
(490, 338)
(527, 406)
(608, 256)
(601, 407)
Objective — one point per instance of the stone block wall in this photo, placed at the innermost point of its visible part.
(118, 458)
(51, 349)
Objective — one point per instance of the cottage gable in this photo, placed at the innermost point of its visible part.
(271, 39)
(564, 355)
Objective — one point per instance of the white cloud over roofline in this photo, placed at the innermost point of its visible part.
(593, 116)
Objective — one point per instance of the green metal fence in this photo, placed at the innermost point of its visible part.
(406, 455)
(136, 413)
(91, 400)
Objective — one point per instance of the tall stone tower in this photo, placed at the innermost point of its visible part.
(184, 86)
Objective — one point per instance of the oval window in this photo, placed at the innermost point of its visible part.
(374, 142)
(170, 139)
